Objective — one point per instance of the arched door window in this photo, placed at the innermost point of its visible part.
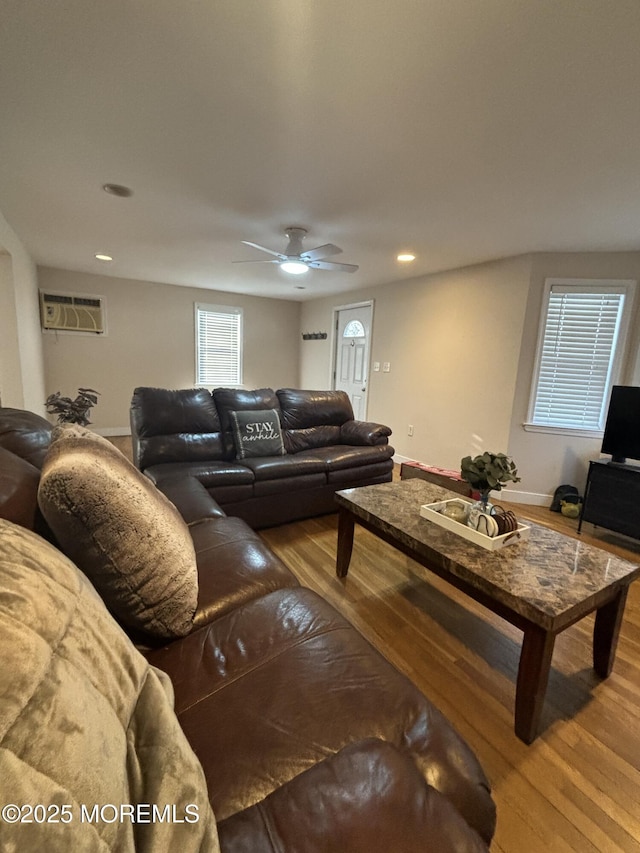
(353, 329)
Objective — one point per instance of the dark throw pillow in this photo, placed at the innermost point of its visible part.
(257, 433)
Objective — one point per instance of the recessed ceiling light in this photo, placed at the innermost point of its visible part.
(101, 257)
(406, 257)
(294, 267)
(118, 189)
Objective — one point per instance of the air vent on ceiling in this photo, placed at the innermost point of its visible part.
(67, 313)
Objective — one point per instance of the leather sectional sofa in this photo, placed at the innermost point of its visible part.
(322, 448)
(279, 718)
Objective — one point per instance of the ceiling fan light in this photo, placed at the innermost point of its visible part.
(294, 267)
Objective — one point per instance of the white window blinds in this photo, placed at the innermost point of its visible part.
(218, 345)
(576, 355)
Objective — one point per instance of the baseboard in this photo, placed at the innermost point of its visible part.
(516, 497)
(398, 459)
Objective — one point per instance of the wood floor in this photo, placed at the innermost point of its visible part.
(577, 787)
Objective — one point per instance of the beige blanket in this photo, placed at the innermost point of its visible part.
(92, 757)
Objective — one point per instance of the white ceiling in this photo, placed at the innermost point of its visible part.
(463, 130)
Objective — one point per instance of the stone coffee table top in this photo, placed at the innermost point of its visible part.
(547, 578)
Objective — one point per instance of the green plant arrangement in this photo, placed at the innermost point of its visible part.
(70, 411)
(488, 471)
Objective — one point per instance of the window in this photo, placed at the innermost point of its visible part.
(354, 329)
(218, 345)
(581, 339)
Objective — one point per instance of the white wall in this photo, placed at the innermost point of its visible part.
(453, 342)
(462, 347)
(548, 459)
(10, 372)
(21, 365)
(150, 341)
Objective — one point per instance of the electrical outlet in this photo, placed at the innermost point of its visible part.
(386, 367)
(376, 366)
(410, 429)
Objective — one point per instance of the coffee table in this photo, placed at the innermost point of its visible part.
(541, 585)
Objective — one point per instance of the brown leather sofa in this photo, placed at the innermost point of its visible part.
(308, 738)
(191, 432)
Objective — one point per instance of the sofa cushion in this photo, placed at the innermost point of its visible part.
(399, 812)
(289, 465)
(83, 718)
(25, 434)
(340, 456)
(224, 473)
(162, 411)
(18, 489)
(122, 532)
(234, 566)
(298, 440)
(227, 671)
(313, 418)
(302, 409)
(257, 433)
(174, 426)
(190, 498)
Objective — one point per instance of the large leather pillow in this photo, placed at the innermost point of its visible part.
(85, 721)
(18, 489)
(121, 531)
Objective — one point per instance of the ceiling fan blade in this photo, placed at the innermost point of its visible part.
(276, 261)
(321, 252)
(329, 265)
(264, 249)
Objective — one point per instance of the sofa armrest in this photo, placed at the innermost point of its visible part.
(362, 432)
(193, 501)
(367, 798)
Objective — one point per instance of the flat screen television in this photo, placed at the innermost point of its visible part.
(622, 429)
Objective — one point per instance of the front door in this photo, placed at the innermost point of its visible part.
(353, 333)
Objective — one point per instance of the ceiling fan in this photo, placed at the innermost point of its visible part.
(296, 260)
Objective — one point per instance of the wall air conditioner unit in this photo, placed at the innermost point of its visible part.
(66, 313)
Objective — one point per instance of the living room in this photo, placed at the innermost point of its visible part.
(438, 309)
(458, 327)
(454, 409)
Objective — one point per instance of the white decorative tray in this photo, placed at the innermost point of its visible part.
(433, 512)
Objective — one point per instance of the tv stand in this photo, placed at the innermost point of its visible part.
(612, 497)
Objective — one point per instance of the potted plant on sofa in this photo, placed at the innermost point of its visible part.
(70, 411)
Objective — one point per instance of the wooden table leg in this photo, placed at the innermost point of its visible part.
(606, 632)
(533, 675)
(346, 526)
